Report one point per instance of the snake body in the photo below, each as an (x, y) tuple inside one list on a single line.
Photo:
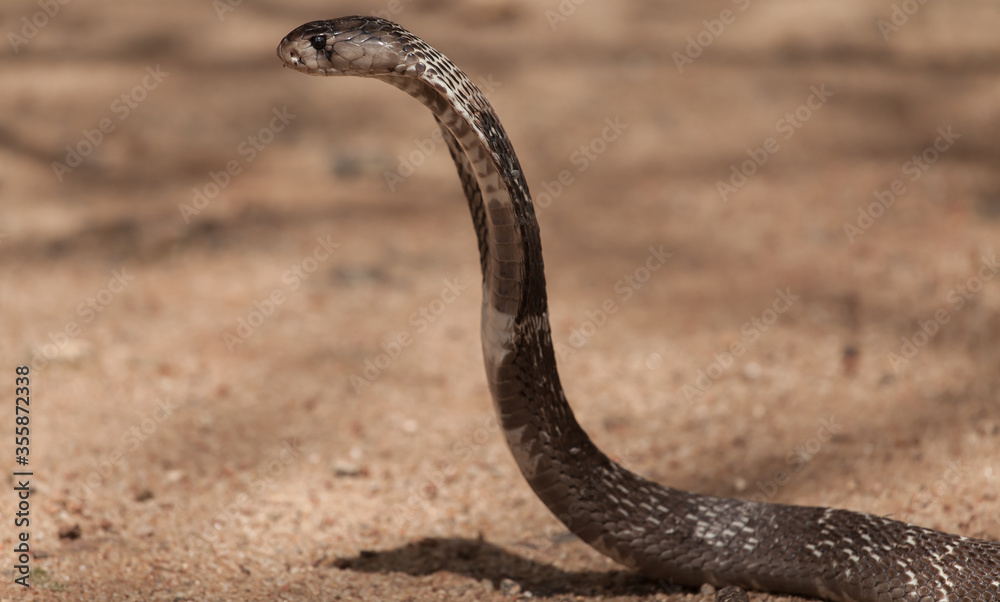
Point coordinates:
[(669, 534)]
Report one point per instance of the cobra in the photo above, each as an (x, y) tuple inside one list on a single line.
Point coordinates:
[(678, 536)]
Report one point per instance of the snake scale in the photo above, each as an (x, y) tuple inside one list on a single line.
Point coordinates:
[(677, 536)]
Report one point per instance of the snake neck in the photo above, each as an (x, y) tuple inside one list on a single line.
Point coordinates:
[(549, 445)]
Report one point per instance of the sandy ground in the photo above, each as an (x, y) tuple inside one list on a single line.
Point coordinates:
[(211, 294)]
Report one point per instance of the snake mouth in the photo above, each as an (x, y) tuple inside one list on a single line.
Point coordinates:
[(359, 46)]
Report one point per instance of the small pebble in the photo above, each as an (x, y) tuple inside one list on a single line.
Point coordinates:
[(346, 468), (509, 587)]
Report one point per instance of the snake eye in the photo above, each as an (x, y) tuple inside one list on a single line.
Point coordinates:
[(318, 41)]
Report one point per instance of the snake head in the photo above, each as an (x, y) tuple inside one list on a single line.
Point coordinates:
[(360, 46)]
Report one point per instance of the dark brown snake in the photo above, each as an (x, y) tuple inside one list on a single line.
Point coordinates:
[(669, 534)]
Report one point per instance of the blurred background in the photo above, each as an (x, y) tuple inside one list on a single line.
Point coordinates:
[(249, 299)]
